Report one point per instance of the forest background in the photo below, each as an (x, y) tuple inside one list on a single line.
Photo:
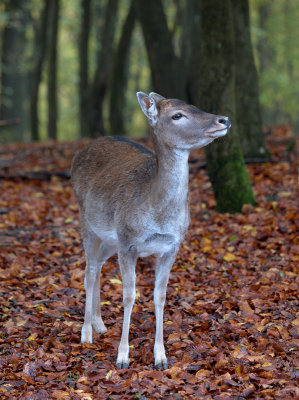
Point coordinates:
[(69, 71), (55, 53)]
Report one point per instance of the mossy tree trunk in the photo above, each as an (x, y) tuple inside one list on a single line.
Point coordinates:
[(249, 117), (165, 66), (213, 90), (119, 75)]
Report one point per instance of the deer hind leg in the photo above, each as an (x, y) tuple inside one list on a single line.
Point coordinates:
[(96, 252), (163, 267), (127, 262), (106, 250)]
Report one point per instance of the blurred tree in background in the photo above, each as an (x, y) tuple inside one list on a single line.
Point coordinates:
[(119, 76), (52, 68), (15, 67), (39, 46), (275, 35)]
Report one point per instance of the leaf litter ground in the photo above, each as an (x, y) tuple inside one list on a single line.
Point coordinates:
[(231, 328)]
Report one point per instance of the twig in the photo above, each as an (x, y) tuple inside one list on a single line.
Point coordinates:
[(12, 161), (9, 122), (199, 163), (38, 175)]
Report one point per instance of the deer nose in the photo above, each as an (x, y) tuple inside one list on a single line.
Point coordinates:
[(224, 121)]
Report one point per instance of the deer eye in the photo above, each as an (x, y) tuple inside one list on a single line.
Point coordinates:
[(177, 116)]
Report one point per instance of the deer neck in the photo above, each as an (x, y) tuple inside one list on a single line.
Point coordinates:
[(171, 181)]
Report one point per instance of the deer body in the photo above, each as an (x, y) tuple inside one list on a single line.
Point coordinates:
[(160, 218), (134, 202)]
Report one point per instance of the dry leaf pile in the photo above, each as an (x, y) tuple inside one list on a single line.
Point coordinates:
[(231, 328)]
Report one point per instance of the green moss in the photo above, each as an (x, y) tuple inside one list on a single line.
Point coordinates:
[(231, 184)]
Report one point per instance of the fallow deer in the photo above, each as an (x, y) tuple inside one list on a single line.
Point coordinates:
[(134, 202)]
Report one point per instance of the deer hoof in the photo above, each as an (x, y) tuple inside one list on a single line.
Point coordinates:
[(98, 325), (121, 365), (86, 334), (161, 365), (160, 357)]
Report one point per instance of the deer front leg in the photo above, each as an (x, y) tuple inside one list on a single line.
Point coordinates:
[(127, 262), (163, 267)]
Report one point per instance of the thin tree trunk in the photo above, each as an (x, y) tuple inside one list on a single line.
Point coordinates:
[(189, 44), (52, 69), (213, 90), (83, 66), (14, 74), (265, 50), (178, 17), (99, 86), (119, 75), (165, 66), (249, 117), (288, 42), (40, 52)]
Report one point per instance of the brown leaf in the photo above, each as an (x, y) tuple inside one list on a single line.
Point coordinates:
[(245, 307), (202, 374), (239, 352)]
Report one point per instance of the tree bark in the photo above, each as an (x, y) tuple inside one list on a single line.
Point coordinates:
[(289, 37), (99, 86), (249, 119), (52, 69), (14, 74), (83, 66), (40, 52), (165, 66), (119, 75), (213, 90), (265, 49), (190, 57)]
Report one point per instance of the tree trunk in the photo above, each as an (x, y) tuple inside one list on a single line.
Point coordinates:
[(265, 49), (213, 90), (165, 66), (40, 52), (119, 75), (14, 74), (99, 86), (289, 37), (52, 69), (83, 66), (249, 119), (189, 45), (177, 24)]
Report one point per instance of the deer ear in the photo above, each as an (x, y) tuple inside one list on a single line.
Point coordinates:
[(148, 106), (157, 97)]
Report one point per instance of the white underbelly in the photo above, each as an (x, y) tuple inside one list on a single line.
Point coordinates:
[(157, 245), (149, 241), (105, 233)]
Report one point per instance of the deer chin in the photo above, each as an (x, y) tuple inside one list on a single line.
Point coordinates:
[(219, 133)]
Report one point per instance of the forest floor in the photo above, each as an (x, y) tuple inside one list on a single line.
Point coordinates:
[(231, 329)]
